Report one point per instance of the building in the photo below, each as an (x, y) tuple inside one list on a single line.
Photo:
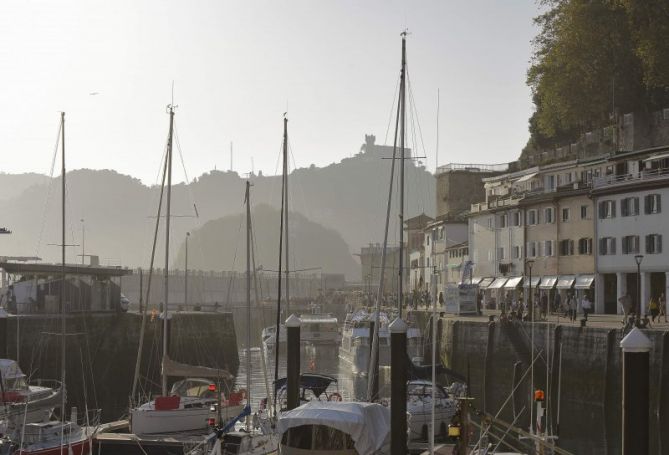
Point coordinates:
[(440, 235), (631, 220), (460, 185), (415, 229), (370, 262), (456, 257)]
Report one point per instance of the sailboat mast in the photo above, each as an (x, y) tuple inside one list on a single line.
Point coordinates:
[(167, 249), (285, 212), (402, 159), (63, 351), (248, 299), (278, 303)]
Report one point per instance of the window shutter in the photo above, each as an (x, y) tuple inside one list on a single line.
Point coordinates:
[(624, 207), (658, 243), (648, 245), (646, 201), (613, 209), (658, 209), (601, 210), (613, 245), (636, 205)]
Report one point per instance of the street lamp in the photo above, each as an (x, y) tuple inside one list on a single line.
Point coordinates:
[(530, 307), (638, 258)]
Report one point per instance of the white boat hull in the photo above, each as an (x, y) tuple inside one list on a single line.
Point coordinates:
[(151, 421)]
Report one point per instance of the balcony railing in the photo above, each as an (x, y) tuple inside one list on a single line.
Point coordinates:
[(628, 179), (502, 167)]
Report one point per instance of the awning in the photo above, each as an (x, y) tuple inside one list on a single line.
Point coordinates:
[(565, 281), (548, 282), (498, 283), (513, 282), (656, 157), (525, 178), (535, 281), (584, 281), (475, 280), (485, 282)]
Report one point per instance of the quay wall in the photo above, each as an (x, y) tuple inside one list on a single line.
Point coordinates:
[(496, 357), (102, 352)]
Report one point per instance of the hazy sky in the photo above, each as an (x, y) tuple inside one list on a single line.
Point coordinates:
[(237, 65)]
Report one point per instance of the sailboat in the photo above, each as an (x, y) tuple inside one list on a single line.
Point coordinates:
[(187, 405), (52, 437)]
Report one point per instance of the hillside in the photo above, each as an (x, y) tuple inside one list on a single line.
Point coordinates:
[(347, 197), (219, 242)]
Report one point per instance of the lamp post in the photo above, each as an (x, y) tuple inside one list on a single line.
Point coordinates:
[(83, 241), (186, 274), (530, 307), (638, 258)]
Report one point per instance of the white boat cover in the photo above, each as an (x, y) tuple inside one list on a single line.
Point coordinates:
[(10, 369), (368, 424), (183, 370)]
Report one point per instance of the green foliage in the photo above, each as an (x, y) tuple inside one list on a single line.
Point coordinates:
[(593, 58)]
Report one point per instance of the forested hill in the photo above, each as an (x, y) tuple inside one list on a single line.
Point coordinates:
[(118, 211), (593, 61)]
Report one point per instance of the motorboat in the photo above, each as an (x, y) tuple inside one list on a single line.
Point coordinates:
[(419, 408), (54, 437), (356, 342), (317, 329), (335, 428)]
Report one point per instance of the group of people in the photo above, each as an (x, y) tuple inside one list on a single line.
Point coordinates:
[(657, 308), (570, 307)]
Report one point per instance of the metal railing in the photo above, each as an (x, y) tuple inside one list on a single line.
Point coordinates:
[(501, 167), (626, 179)]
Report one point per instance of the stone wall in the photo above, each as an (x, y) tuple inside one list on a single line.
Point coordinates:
[(102, 351), (496, 356)]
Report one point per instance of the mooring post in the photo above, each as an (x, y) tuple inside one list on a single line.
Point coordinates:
[(636, 353), (293, 324), (398, 387)]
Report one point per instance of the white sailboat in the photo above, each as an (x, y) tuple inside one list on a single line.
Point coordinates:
[(187, 405)]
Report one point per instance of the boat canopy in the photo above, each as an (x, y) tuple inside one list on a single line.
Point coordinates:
[(316, 383), (10, 369), (183, 370), (584, 281), (368, 424)]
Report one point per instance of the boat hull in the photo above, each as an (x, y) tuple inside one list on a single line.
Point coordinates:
[(81, 447), (151, 421)]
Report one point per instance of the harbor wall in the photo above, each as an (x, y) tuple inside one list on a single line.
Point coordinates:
[(102, 352), (579, 368)]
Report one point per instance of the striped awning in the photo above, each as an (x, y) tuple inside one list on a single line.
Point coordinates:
[(498, 283), (485, 282), (513, 282), (584, 281), (548, 282), (566, 281)]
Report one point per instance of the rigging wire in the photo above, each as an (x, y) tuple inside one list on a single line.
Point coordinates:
[(392, 109), (49, 189)]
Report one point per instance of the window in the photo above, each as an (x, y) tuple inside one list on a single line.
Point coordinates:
[(653, 203), (607, 209), (517, 252), (631, 244), (500, 254), (531, 217), (491, 223), (517, 218), (565, 215), (629, 206), (427, 239), (610, 170), (550, 182), (503, 221), (653, 243), (531, 249), (585, 246), (548, 215), (566, 247), (607, 246), (548, 248), (584, 212)]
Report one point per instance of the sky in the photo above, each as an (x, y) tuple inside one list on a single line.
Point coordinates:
[(237, 66)]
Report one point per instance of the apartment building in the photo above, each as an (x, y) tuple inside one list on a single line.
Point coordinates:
[(440, 235)]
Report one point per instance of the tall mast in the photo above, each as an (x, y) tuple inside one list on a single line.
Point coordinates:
[(248, 300), (167, 248), (281, 232), (402, 159), (63, 351), (285, 212)]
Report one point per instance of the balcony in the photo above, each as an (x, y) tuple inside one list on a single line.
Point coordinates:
[(609, 181)]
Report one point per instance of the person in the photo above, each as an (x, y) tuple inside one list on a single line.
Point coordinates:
[(626, 306), (653, 307), (571, 304), (557, 302), (586, 304), (544, 306), (663, 307)]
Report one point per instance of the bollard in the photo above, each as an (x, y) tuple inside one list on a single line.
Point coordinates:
[(636, 348), (398, 387), (292, 361)]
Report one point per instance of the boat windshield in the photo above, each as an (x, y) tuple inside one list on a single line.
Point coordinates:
[(17, 383), (198, 388)]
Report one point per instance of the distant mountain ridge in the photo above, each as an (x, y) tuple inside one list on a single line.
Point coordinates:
[(348, 197)]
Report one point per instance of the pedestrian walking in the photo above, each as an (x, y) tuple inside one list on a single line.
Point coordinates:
[(626, 305), (586, 305), (571, 305), (663, 307), (544, 306), (653, 307)]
